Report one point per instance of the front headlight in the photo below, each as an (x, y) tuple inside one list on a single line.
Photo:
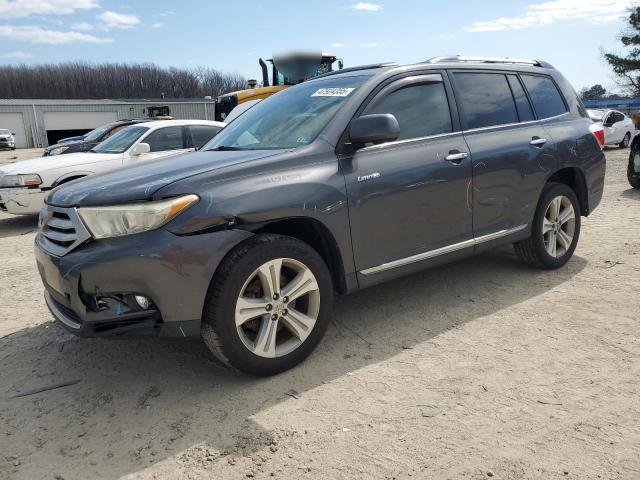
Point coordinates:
[(119, 220), (30, 180), (58, 151)]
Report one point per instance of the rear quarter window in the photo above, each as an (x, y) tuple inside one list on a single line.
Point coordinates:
[(545, 96)]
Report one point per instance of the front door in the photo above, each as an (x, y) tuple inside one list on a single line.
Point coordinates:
[(410, 196)]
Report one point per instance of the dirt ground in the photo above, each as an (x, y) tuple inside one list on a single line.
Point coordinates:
[(483, 368)]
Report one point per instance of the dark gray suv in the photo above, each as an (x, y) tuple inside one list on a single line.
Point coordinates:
[(336, 184)]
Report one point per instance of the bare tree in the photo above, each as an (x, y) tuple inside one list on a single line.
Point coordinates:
[(81, 80)]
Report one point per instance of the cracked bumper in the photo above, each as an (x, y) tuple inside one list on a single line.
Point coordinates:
[(21, 201)]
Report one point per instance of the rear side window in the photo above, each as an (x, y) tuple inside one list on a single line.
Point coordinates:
[(201, 134), (421, 110), (545, 96), (486, 99), (522, 102), (163, 139)]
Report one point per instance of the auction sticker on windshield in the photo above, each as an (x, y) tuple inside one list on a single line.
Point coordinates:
[(333, 92)]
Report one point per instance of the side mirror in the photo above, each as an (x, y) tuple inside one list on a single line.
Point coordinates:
[(140, 149), (375, 128), (13, 133)]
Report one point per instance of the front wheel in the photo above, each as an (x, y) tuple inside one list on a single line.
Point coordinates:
[(633, 169), (555, 229), (268, 305), (625, 141)]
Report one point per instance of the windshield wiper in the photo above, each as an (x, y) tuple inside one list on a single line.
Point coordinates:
[(224, 148)]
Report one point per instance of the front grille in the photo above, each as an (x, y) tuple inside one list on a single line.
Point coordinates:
[(61, 230)]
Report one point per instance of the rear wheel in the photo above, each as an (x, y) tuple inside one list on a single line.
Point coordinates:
[(268, 305), (625, 141), (555, 229), (633, 169)]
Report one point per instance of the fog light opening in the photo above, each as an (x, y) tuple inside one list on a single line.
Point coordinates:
[(143, 302)]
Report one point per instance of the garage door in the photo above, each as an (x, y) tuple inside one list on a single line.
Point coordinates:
[(59, 125), (13, 122)]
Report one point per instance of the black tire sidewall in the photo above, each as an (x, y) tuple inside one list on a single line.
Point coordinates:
[(632, 176), (549, 193), (222, 314)]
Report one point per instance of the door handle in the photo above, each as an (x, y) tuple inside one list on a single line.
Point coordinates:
[(537, 141), (456, 157)]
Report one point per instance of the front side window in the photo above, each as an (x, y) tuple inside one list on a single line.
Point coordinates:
[(121, 141), (545, 96), (421, 110), (201, 134), (291, 118), (163, 139), (486, 99)]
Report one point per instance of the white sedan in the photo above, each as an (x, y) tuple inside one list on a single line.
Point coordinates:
[(618, 128), (24, 185)]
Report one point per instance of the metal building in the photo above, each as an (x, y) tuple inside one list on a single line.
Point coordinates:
[(40, 123)]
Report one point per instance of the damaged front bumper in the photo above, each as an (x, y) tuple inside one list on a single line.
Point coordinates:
[(21, 201), (91, 290)]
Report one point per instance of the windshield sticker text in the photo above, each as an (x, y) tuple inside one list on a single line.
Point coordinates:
[(333, 92)]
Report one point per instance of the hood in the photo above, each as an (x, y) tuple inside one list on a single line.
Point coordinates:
[(5, 135), (140, 182), (64, 144), (42, 164)]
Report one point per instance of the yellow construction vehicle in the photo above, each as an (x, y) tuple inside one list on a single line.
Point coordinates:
[(286, 70)]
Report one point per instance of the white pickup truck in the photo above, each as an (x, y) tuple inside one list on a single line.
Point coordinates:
[(24, 185)]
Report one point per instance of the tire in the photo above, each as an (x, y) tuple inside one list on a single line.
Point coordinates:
[(625, 141), (245, 273), (632, 175), (535, 250)]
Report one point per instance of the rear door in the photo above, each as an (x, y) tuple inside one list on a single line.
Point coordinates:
[(410, 196), (164, 142), (509, 150)]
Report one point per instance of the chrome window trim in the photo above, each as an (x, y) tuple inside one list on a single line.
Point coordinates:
[(409, 140), (529, 122), (443, 251)]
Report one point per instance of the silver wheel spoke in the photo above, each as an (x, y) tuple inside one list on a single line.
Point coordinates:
[(564, 239), (298, 323), (269, 274), (551, 244), (566, 215), (547, 225), (303, 283), (265, 344), (249, 308), (554, 208)]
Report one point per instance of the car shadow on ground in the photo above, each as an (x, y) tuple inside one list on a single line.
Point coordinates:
[(12, 226), (631, 193), (139, 402)]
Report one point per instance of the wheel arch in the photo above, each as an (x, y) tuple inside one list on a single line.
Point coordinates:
[(67, 177), (574, 178), (317, 236)]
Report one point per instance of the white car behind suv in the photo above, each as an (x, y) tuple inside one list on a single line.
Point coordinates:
[(618, 128), (6, 139), (23, 185)]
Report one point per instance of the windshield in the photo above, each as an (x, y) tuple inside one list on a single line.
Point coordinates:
[(4, 132), (291, 118), (121, 141), (96, 134)]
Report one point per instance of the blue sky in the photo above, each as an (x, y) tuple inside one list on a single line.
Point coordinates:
[(231, 36)]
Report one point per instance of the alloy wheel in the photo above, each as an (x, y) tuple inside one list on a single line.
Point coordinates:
[(277, 307), (558, 227)]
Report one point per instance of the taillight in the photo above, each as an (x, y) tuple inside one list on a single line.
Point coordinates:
[(598, 132)]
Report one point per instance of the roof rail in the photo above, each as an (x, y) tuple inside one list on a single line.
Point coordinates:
[(466, 59), (355, 69)]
